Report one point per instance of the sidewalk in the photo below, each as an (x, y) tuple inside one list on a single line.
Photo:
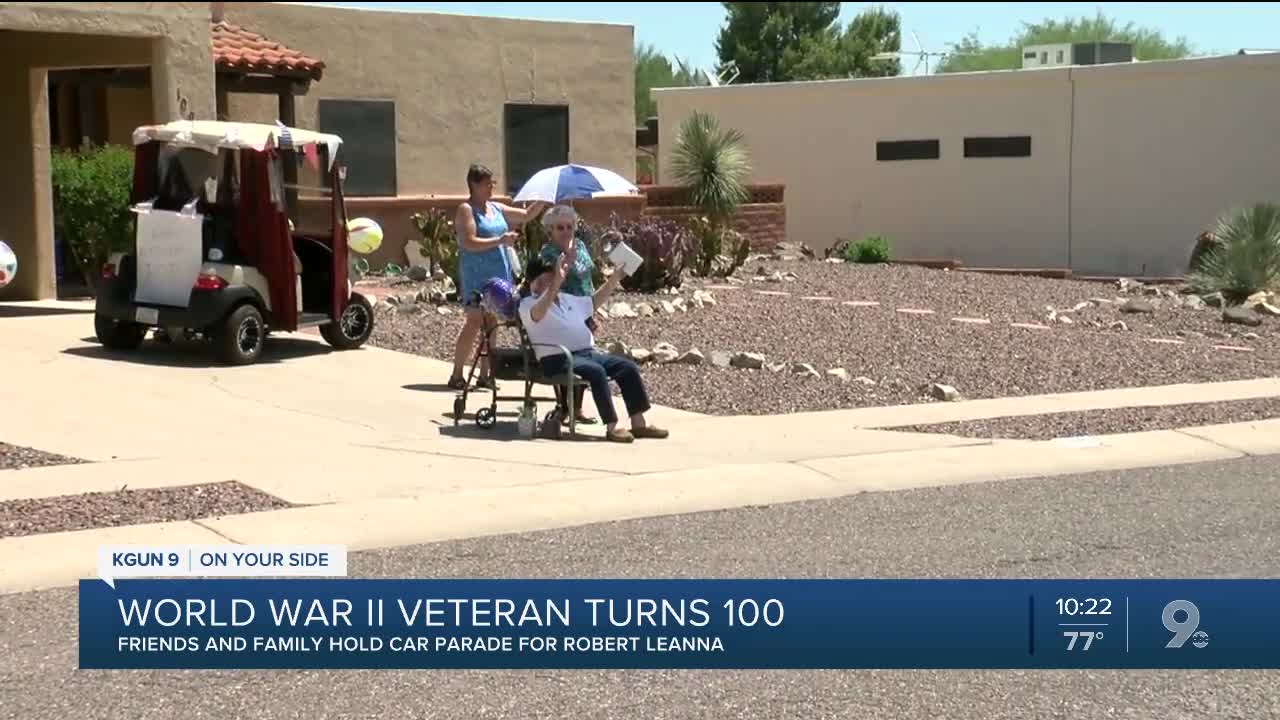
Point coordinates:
[(362, 443)]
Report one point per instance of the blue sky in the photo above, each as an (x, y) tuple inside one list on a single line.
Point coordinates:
[(690, 30)]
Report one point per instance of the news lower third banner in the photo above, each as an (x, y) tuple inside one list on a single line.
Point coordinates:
[(347, 623)]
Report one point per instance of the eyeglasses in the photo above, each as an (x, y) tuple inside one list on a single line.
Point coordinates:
[(561, 226)]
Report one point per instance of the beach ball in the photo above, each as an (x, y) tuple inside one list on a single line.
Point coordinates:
[(364, 235), (8, 264), (500, 298)]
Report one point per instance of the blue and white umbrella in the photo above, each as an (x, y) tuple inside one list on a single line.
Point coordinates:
[(573, 182)]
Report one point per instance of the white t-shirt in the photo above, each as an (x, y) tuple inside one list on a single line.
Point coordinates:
[(564, 324)]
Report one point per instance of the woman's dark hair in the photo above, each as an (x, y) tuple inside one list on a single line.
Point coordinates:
[(478, 173)]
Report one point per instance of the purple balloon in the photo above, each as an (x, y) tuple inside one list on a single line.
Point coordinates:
[(500, 298)]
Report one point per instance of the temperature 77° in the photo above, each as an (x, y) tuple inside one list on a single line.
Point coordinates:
[(1087, 637)]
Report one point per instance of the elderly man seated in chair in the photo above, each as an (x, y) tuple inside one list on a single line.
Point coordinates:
[(552, 318)]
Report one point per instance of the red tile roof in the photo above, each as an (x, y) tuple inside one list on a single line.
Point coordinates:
[(235, 48)]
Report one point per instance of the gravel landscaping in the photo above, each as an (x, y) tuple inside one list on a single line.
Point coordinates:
[(1103, 422), (16, 457), (131, 507), (891, 357)]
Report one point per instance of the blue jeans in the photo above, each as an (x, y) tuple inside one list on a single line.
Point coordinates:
[(597, 369)]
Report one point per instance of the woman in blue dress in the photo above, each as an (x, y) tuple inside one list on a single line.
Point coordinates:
[(484, 236)]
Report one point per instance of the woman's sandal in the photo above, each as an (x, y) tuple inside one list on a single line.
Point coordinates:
[(457, 383), (649, 432)]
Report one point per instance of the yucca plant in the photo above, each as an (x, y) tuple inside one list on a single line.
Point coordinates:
[(1247, 256), (712, 163)]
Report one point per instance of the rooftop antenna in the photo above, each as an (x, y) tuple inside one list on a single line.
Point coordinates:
[(922, 56), (726, 76)]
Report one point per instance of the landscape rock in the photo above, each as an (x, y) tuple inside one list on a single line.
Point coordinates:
[(1065, 320), (791, 277), (775, 277), (622, 310), (1267, 309), (793, 251), (1053, 315), (945, 393), (443, 310), (804, 369), (1152, 290), (665, 355), (865, 381), (644, 310), (776, 367), (668, 307), (1193, 302), (408, 308), (1241, 316), (418, 273), (1135, 305), (721, 359), (835, 260), (839, 374), (1213, 300), (701, 297), (1082, 305), (392, 300), (1101, 301), (617, 347), (1125, 285), (1119, 325), (1257, 298), (735, 280), (680, 304), (747, 361), (1250, 336), (641, 356), (692, 357)]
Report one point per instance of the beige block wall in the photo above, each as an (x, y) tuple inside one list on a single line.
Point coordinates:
[(1161, 149), (37, 36), (450, 76), (1156, 151), (819, 139)]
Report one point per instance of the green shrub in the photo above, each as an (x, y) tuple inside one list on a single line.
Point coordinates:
[(870, 249), (717, 250), (1246, 257), (91, 204), (437, 240)]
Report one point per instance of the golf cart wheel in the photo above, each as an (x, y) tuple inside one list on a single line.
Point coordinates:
[(118, 335), (459, 407), (240, 339), (486, 418), (353, 328)]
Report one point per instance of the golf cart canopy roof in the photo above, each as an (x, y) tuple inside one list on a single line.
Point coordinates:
[(211, 135)]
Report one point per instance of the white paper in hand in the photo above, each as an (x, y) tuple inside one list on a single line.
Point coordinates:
[(625, 258)]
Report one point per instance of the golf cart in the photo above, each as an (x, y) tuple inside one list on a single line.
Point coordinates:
[(217, 255)]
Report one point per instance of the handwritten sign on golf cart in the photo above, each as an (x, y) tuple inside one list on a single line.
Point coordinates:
[(169, 255)]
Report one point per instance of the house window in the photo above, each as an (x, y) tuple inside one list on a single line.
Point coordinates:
[(1044, 57), (991, 147), (1060, 57), (1029, 55), (889, 150), (368, 132), (534, 137)]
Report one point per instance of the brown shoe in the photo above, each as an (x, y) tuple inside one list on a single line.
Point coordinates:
[(650, 431), (619, 436)]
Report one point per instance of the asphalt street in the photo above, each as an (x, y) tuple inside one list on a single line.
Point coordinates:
[(1204, 520)]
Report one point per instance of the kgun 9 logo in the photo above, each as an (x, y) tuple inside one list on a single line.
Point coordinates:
[(1186, 628)]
